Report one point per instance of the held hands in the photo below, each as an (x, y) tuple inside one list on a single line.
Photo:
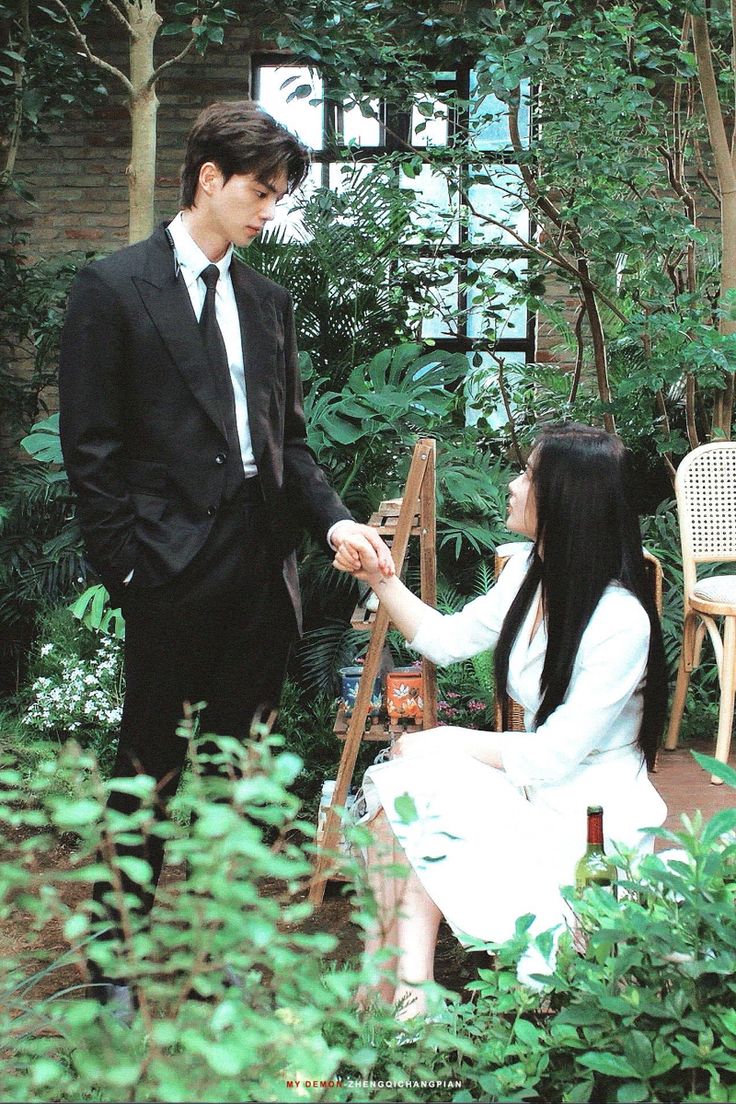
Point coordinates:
[(361, 552)]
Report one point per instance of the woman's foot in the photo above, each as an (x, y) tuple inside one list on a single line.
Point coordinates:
[(409, 1001)]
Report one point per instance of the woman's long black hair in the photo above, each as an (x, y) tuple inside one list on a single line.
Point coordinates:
[(587, 537)]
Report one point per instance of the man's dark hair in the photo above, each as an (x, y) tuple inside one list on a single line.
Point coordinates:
[(239, 137), (588, 536)]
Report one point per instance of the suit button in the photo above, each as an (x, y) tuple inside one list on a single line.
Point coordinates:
[(221, 458), (211, 511)]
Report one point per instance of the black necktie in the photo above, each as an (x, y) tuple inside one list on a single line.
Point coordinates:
[(220, 366)]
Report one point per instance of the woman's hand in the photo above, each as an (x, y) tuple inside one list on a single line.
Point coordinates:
[(360, 551), (444, 740), (349, 559), (450, 740)]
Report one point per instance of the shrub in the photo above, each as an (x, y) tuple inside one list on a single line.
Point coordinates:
[(645, 1015)]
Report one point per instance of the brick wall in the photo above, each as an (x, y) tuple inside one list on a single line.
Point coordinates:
[(78, 179)]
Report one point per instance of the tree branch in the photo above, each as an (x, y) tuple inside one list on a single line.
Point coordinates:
[(507, 406), (557, 260), (579, 355), (16, 122), (171, 61), (82, 39), (599, 344), (120, 17)]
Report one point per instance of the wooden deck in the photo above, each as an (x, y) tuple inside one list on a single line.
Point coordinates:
[(685, 787)]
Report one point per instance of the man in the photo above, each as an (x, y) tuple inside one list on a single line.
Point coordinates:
[(184, 438)]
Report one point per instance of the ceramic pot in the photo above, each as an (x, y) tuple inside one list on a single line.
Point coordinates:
[(349, 681), (405, 695)]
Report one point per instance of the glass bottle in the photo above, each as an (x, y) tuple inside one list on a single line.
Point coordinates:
[(594, 868)]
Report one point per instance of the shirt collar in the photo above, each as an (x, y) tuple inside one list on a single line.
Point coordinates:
[(192, 260)]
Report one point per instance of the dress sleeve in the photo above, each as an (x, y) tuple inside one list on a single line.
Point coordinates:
[(610, 665), (449, 638)]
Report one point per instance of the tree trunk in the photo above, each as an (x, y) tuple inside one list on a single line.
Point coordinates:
[(143, 107), (726, 173), (728, 289)]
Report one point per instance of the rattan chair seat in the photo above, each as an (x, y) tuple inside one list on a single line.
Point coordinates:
[(721, 590)]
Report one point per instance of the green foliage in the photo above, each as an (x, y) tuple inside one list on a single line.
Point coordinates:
[(635, 232), (644, 1014), (93, 610), (41, 80), (647, 1013), (41, 559), (348, 303), (239, 915)]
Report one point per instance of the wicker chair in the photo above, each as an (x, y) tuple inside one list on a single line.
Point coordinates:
[(508, 714), (706, 504)]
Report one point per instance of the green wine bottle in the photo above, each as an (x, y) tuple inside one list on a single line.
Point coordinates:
[(593, 867)]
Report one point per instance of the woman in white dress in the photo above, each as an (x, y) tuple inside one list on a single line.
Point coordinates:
[(495, 822)]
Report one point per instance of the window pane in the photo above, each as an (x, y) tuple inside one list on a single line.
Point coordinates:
[(346, 175), (430, 129), (357, 128), (495, 196), (492, 314), (302, 118), (436, 212), (482, 392), (431, 287), (442, 321), (288, 225), (489, 124)]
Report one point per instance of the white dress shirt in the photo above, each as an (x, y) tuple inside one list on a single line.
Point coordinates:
[(192, 261)]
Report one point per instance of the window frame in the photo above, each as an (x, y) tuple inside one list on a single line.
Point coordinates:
[(395, 129)]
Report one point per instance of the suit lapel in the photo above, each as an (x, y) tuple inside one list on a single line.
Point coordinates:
[(258, 326), (166, 299)]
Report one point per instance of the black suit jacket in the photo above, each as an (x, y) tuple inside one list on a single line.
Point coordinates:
[(141, 423)]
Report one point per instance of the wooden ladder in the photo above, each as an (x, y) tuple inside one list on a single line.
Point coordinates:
[(396, 521)]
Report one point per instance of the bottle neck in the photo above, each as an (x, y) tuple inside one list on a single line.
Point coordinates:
[(595, 831)]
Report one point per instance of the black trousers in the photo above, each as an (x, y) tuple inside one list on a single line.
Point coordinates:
[(220, 633)]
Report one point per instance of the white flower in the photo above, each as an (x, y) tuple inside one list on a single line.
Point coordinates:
[(46, 648)]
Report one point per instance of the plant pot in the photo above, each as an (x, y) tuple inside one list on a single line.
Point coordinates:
[(349, 682), (405, 695)]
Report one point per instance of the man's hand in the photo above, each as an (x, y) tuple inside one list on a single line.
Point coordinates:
[(360, 551)]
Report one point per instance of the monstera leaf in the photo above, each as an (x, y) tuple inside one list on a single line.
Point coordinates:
[(402, 386), (43, 442)]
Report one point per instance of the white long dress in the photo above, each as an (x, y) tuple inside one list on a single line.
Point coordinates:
[(491, 845)]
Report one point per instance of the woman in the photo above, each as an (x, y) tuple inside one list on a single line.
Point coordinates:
[(497, 820)]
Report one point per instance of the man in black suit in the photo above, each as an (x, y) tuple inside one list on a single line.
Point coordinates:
[(184, 439)]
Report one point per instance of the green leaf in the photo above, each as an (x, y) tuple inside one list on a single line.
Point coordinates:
[(44, 1071), (138, 870), (175, 29), (406, 809), (74, 814), (714, 766), (612, 1065), (76, 926), (43, 442), (527, 1033), (638, 1051), (632, 1092)]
